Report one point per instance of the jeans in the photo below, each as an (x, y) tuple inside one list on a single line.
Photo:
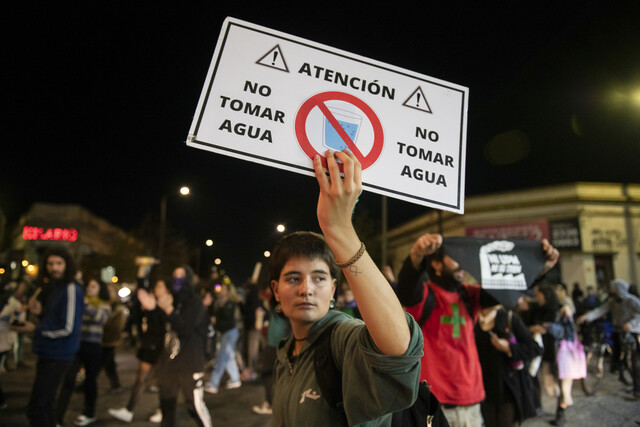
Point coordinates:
[(226, 359)]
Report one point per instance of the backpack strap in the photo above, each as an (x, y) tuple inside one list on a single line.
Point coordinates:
[(428, 306), (328, 375)]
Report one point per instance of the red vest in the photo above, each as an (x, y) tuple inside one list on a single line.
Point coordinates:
[(450, 363)]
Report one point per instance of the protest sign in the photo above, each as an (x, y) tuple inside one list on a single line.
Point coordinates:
[(277, 99)]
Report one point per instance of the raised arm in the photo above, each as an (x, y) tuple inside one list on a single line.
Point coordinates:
[(377, 302), (413, 273)]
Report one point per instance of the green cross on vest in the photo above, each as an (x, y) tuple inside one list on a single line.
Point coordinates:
[(456, 320)]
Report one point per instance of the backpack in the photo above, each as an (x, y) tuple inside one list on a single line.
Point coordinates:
[(428, 307), (425, 411)]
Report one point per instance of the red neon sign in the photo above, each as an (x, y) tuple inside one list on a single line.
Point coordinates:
[(39, 233)]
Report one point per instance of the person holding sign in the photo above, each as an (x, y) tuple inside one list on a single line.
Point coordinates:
[(379, 359), (431, 289)]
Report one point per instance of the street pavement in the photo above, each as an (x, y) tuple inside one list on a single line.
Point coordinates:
[(611, 406), (228, 407)]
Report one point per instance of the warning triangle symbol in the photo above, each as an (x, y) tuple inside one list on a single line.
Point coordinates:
[(274, 59), (418, 101)]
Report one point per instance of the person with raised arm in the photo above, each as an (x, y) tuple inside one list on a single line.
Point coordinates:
[(379, 357)]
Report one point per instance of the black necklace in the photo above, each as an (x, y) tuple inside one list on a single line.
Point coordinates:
[(300, 339)]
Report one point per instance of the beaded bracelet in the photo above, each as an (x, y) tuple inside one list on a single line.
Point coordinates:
[(355, 258)]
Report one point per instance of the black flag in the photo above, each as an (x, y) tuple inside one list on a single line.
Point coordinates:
[(504, 268)]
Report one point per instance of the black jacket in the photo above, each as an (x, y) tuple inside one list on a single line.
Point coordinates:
[(497, 372), (189, 320)]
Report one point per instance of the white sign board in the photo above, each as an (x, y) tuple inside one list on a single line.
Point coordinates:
[(277, 99)]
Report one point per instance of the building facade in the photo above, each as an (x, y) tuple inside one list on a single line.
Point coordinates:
[(94, 243), (595, 226)]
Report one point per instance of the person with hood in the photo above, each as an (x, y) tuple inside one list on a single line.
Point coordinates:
[(181, 363), (59, 303), (625, 308)]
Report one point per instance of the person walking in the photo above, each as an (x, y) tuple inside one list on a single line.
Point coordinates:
[(150, 323), (112, 338), (553, 321), (7, 337), (89, 355), (224, 320), (277, 328), (59, 303), (252, 335), (181, 362), (19, 298)]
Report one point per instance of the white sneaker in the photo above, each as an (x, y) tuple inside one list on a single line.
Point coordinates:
[(264, 409), (233, 384), (122, 414), (83, 420), (211, 389), (156, 417)]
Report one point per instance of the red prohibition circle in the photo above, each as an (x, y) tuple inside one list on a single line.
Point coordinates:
[(319, 101)]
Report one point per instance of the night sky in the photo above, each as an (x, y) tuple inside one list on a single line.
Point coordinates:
[(99, 97)]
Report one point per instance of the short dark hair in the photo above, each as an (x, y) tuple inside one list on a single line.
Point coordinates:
[(306, 244), (70, 264)]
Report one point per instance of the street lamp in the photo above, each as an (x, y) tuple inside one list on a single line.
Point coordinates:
[(280, 228), (209, 242), (184, 191)]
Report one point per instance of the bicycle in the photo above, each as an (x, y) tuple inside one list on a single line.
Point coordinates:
[(596, 352), (628, 343)]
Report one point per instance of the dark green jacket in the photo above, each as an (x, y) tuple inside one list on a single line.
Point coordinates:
[(373, 385)]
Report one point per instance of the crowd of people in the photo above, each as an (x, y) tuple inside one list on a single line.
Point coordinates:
[(487, 363)]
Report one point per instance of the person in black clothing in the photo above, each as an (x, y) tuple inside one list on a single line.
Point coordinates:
[(181, 363), (251, 335), (150, 324), (577, 294), (505, 348)]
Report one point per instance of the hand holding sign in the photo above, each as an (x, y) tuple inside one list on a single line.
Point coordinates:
[(338, 195), (410, 148), (504, 268), (380, 309)]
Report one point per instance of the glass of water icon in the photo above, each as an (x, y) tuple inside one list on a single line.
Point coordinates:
[(350, 123)]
